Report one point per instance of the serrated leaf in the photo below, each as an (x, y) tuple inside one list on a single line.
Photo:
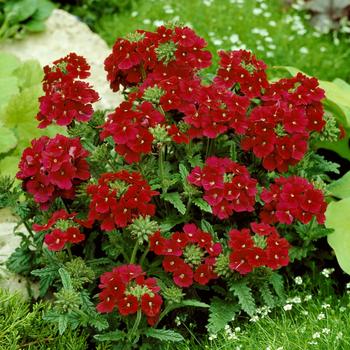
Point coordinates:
[(244, 295), (194, 303), (8, 88), (267, 295), (166, 335), (29, 74), (202, 204), (207, 227), (184, 173), (175, 199), (111, 336), (47, 276), (196, 161), (62, 323), (65, 278), (221, 312), (276, 281)]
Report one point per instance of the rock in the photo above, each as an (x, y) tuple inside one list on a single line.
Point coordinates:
[(65, 34)]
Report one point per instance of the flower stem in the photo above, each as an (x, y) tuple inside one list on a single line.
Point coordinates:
[(161, 167), (31, 234), (136, 324), (133, 255), (69, 253), (144, 256)]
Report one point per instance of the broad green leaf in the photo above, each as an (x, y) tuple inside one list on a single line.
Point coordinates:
[(340, 188), (9, 165), (35, 26), (8, 88), (8, 140), (341, 147), (43, 11), (29, 73), (164, 335), (18, 11), (8, 63), (337, 218)]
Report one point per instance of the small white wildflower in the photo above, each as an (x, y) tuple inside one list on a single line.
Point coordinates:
[(327, 272), (296, 300), (234, 38), (260, 48), (237, 329), (316, 335), (280, 348), (134, 13), (168, 9), (176, 19), (272, 23), (270, 54), (305, 313), (339, 335), (257, 11), (288, 307), (217, 42), (321, 316), (177, 321), (308, 297), (326, 330), (211, 33), (348, 285), (227, 327), (232, 336), (267, 14), (298, 280), (263, 5), (323, 49), (268, 39), (146, 21), (207, 2), (212, 336), (312, 342), (325, 306), (268, 348), (254, 318), (304, 50), (158, 22), (342, 309)]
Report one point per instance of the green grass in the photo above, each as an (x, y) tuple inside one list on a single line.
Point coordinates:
[(222, 19)]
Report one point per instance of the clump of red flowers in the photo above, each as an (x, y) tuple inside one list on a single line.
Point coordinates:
[(66, 99), (189, 255), (127, 289), (118, 198), (63, 228), (271, 251), (52, 167), (292, 198), (227, 185)]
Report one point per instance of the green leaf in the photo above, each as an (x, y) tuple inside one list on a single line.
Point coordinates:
[(341, 187), (8, 63), (110, 336), (244, 295), (266, 295), (9, 165), (221, 312), (29, 73), (175, 199), (276, 281), (8, 140), (66, 280), (202, 204), (207, 227), (184, 173), (166, 335), (337, 218), (170, 221), (18, 11), (8, 88), (47, 276), (194, 303), (35, 26), (62, 323)]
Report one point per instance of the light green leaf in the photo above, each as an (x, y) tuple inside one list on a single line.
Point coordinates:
[(175, 199), (110, 336), (341, 147), (244, 294), (18, 11), (340, 188), (164, 335), (194, 303), (29, 73), (8, 63), (9, 166), (65, 278), (337, 218), (8, 140), (202, 204), (8, 88)]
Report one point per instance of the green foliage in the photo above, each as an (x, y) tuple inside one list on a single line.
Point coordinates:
[(245, 298), (221, 312), (340, 188), (18, 17), (20, 88), (165, 335), (175, 199)]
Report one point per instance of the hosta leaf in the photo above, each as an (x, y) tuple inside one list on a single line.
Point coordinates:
[(8, 63), (164, 335), (340, 188), (337, 218)]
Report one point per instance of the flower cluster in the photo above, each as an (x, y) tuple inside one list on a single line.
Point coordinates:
[(66, 99), (126, 288), (228, 187), (167, 52), (292, 198), (189, 255), (279, 129), (129, 127), (118, 198), (52, 167), (63, 227), (268, 249)]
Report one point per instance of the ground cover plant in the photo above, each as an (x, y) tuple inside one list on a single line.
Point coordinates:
[(277, 33), (184, 201)]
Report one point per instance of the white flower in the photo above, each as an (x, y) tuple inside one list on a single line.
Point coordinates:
[(298, 280), (134, 13), (339, 335), (212, 336), (323, 49), (327, 272), (304, 50), (146, 21), (158, 22), (267, 14), (168, 9), (326, 330), (342, 309), (325, 306), (260, 48), (348, 285), (237, 329), (257, 11), (312, 342), (234, 38), (217, 42), (308, 297), (254, 318), (280, 348), (305, 313), (270, 54), (207, 2), (288, 307), (316, 335), (272, 23), (296, 300), (321, 316)]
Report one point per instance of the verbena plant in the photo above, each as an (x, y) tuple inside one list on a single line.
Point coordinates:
[(185, 200)]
